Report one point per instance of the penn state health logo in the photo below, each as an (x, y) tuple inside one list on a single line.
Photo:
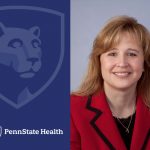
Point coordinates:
[(31, 52)]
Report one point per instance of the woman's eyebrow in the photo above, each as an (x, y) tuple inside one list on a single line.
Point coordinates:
[(132, 49), (113, 49), (128, 49)]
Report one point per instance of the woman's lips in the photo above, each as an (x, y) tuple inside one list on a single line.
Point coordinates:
[(122, 74)]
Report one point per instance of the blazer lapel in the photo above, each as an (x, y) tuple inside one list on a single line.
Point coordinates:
[(141, 132), (103, 122)]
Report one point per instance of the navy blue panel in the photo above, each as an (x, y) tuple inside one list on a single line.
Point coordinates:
[(34, 74)]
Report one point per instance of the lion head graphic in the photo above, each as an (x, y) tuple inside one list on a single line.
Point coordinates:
[(20, 52)]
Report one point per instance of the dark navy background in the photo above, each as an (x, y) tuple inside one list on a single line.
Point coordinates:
[(51, 108)]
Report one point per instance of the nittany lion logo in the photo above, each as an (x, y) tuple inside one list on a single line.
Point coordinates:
[(20, 60), (20, 49)]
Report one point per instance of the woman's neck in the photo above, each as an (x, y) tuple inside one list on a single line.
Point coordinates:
[(121, 102)]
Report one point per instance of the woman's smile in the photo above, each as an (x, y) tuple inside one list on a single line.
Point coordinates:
[(122, 74)]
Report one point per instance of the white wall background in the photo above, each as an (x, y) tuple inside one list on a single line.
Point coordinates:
[(87, 19)]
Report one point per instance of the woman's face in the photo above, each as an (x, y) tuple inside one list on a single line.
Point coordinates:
[(122, 66)]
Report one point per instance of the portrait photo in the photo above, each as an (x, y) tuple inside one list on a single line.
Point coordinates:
[(110, 75)]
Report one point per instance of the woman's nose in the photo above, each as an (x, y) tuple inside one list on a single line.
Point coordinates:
[(122, 61)]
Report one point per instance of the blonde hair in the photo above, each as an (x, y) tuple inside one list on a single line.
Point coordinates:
[(108, 37)]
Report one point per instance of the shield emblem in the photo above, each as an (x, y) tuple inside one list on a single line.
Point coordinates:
[(31, 52)]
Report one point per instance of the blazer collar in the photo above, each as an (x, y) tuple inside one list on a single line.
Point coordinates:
[(141, 131), (106, 128)]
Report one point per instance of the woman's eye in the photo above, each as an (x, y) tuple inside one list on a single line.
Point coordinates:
[(112, 54), (132, 54)]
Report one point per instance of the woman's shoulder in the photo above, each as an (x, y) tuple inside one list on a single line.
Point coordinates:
[(75, 99), (78, 97), (78, 102)]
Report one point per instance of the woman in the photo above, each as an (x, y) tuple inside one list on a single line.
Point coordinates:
[(110, 111)]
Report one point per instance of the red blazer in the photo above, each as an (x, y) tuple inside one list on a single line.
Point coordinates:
[(93, 127)]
